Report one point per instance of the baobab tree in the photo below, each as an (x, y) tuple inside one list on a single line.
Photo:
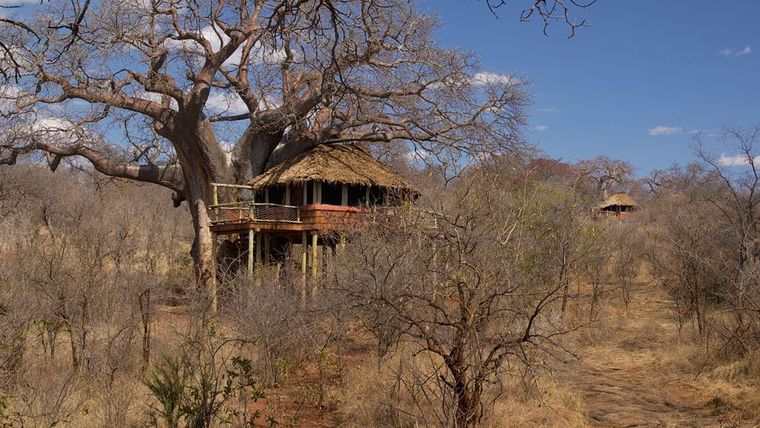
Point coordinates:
[(183, 93)]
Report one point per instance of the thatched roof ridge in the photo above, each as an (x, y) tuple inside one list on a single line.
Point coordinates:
[(621, 199), (346, 163)]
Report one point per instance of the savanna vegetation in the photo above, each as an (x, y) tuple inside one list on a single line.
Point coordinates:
[(500, 297), (488, 303)]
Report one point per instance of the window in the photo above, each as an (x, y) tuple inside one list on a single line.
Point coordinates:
[(332, 193), (309, 189), (357, 195), (277, 194), (376, 196)]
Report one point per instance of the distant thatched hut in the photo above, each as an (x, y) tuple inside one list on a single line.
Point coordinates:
[(618, 204), (331, 175)]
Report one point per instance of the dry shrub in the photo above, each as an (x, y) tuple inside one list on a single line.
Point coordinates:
[(394, 392), (286, 329), (547, 404), (49, 395), (390, 392), (121, 402)]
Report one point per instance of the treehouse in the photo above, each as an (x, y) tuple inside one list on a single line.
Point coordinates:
[(618, 205), (305, 204)]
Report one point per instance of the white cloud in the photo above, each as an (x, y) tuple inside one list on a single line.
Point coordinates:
[(746, 51), (735, 160), (540, 128), (217, 39), (57, 129), (548, 110), (735, 52), (705, 132), (220, 102), (230, 103), (9, 96), (664, 130), (156, 97), (488, 78)]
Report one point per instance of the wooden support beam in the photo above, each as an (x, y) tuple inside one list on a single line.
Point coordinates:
[(314, 254), (287, 195), (259, 247), (212, 292), (342, 243), (251, 237), (267, 249), (304, 244), (344, 194)]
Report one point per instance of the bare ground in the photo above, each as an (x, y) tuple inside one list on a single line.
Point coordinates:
[(639, 372)]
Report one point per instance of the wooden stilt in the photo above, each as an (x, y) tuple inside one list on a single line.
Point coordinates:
[(212, 297), (251, 237), (314, 258), (267, 249), (304, 246), (259, 247)]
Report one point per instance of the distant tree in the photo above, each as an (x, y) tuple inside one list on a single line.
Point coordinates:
[(607, 175)]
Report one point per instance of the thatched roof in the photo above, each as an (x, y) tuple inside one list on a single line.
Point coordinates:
[(345, 163), (618, 199)]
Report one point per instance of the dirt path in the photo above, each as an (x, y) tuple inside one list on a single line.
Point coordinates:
[(629, 375)]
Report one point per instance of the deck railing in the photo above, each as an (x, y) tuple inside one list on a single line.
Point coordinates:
[(249, 210), (254, 211)]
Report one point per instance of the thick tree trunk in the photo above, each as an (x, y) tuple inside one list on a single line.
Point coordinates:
[(253, 152), (203, 252), (203, 162)]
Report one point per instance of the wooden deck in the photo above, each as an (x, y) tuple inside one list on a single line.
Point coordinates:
[(242, 216)]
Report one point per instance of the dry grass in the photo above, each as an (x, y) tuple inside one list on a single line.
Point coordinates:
[(394, 392), (635, 367), (552, 404)]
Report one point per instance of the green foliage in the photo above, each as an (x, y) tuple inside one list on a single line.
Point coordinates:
[(167, 384), (195, 392)]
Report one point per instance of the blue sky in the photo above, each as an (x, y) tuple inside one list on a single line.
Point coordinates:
[(640, 68)]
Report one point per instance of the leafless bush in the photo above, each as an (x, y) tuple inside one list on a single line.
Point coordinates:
[(76, 270), (475, 286), (708, 250)]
